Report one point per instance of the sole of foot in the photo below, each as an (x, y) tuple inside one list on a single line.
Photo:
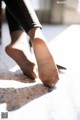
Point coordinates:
[(47, 69), (21, 59)]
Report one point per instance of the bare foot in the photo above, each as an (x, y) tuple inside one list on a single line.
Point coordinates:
[(47, 69), (20, 52)]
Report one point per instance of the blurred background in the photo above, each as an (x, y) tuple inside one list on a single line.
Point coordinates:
[(56, 11), (56, 14)]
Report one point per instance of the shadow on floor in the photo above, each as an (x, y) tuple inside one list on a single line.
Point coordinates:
[(16, 98), (17, 76)]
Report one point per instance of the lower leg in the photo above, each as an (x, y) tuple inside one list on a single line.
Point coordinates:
[(18, 50), (47, 69), (26, 16)]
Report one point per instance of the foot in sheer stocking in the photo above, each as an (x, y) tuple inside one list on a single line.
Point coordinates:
[(19, 51), (47, 69)]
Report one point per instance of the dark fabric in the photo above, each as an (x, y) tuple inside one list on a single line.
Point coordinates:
[(12, 22), (22, 13)]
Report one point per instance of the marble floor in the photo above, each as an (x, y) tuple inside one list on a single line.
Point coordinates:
[(22, 99)]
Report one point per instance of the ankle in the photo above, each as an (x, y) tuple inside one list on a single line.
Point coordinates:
[(17, 35), (36, 33)]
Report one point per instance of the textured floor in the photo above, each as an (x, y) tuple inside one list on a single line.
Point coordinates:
[(30, 100)]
